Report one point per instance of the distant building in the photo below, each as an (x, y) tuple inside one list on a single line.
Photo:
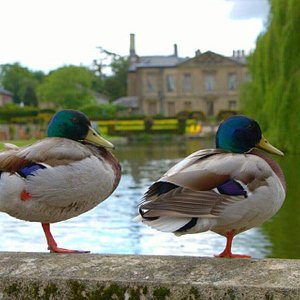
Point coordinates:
[(130, 104), (208, 82), (101, 99), (5, 97)]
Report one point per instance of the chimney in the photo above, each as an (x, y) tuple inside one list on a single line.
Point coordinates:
[(243, 53), (197, 53), (132, 45), (175, 50), (233, 53)]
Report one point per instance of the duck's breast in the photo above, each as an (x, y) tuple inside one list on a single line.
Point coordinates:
[(65, 191), (265, 196)]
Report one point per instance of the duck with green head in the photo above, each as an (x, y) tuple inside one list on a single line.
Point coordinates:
[(228, 189), (60, 177)]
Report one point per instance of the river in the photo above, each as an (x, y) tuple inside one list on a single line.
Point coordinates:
[(110, 228)]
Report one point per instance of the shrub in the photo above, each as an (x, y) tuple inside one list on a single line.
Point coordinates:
[(11, 111), (224, 114), (102, 111)]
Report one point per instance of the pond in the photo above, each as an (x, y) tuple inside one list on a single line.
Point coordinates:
[(110, 228)]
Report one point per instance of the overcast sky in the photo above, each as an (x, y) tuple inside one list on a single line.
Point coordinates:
[(46, 34)]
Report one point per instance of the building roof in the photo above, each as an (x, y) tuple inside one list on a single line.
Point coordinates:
[(210, 57), (130, 101), (239, 59), (5, 92), (155, 61)]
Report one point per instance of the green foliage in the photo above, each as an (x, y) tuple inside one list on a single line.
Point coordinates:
[(99, 112), (224, 114), (11, 111), (115, 86), (68, 87), (185, 114), (21, 82), (197, 114), (283, 229), (272, 97)]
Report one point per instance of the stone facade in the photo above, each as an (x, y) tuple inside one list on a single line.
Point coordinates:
[(167, 85)]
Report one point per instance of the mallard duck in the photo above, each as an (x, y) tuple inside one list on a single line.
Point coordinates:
[(59, 177), (227, 190)]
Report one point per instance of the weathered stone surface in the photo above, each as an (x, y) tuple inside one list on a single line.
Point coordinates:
[(94, 276)]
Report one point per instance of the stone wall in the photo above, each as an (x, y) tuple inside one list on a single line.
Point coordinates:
[(95, 276)]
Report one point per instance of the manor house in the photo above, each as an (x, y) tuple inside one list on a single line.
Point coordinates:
[(208, 82)]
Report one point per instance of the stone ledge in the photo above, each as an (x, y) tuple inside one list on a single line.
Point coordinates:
[(95, 276)]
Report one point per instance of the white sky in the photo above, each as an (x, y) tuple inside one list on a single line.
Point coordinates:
[(46, 34)]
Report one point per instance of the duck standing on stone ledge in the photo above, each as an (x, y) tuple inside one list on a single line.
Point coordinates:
[(227, 190), (60, 177)]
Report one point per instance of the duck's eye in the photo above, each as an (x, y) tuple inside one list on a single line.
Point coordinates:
[(75, 120)]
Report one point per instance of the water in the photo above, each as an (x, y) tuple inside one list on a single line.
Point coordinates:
[(109, 228)]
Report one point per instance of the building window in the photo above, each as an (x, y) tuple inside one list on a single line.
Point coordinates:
[(152, 108), (187, 82), (171, 109), (151, 83), (232, 81), (232, 104), (209, 79), (171, 83), (188, 105), (210, 108)]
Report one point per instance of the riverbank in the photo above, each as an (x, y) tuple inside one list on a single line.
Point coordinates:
[(95, 276)]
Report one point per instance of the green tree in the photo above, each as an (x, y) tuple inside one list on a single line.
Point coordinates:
[(114, 85), (101, 111), (68, 87), (272, 96), (21, 82)]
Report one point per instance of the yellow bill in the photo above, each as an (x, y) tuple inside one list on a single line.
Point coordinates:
[(265, 145), (94, 137)]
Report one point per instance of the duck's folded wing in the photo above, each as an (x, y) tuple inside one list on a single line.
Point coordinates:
[(51, 151), (206, 170), (203, 184), (183, 202)]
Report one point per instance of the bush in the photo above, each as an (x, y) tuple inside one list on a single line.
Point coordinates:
[(11, 111), (184, 114), (100, 112), (197, 114), (224, 114)]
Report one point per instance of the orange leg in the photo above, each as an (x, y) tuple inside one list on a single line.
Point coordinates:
[(227, 251), (52, 245)]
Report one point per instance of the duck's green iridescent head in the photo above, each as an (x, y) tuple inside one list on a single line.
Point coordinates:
[(74, 125), (240, 134)]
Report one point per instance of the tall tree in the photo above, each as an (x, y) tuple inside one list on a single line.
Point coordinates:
[(116, 85), (21, 82), (68, 87), (272, 96), (112, 70)]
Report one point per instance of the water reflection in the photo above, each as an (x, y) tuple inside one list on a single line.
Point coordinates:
[(283, 229), (109, 228)]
